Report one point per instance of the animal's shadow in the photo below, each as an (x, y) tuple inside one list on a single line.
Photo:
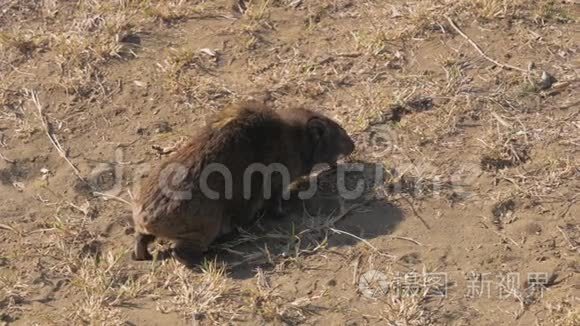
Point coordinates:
[(332, 216)]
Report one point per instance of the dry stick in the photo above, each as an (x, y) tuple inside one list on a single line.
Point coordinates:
[(505, 237), (499, 64), (408, 239), (51, 137), (501, 120), (7, 227), (416, 213), (355, 271), (573, 247), (5, 158), (107, 196), (499, 234), (567, 209), (363, 241), (347, 211)]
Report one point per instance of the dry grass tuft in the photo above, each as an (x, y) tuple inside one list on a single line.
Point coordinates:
[(200, 296), (100, 34), (172, 12), (13, 292), (406, 298), (26, 43), (550, 11), (406, 311), (505, 154), (104, 285), (268, 305), (565, 313)]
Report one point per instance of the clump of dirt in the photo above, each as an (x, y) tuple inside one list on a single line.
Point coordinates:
[(572, 235), (92, 249), (503, 212), (103, 178), (414, 105), (510, 154), (21, 170), (12, 174)]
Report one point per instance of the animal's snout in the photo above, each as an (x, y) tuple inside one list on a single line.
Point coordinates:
[(348, 147)]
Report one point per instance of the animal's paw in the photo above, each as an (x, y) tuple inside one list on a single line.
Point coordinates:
[(187, 257), (141, 256)]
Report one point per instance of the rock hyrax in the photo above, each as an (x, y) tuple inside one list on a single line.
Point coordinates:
[(217, 180)]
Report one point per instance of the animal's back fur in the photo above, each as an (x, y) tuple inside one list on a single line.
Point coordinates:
[(237, 137)]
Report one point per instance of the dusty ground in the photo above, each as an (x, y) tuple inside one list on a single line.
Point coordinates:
[(474, 222)]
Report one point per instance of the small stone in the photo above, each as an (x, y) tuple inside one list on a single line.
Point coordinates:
[(19, 186), (208, 52), (395, 13), (162, 127), (547, 81), (331, 282)]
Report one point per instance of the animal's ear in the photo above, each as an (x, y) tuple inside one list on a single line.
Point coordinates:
[(316, 128)]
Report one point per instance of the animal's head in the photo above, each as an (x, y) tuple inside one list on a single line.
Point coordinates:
[(330, 141)]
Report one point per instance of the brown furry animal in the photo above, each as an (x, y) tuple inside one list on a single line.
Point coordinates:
[(177, 201)]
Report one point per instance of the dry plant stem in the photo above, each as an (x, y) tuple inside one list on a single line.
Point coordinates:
[(416, 213), (107, 196), (363, 241), (332, 222), (567, 209), (355, 271), (408, 239), (51, 137), (347, 211), (573, 247), (501, 235), (7, 227), (6, 159), (485, 56)]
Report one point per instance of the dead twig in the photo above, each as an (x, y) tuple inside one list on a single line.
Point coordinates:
[(501, 235), (363, 241), (107, 196), (7, 227), (501, 120), (485, 56), (572, 246), (51, 137), (416, 213), (408, 239), (5, 158), (355, 271), (567, 208), (347, 211)]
